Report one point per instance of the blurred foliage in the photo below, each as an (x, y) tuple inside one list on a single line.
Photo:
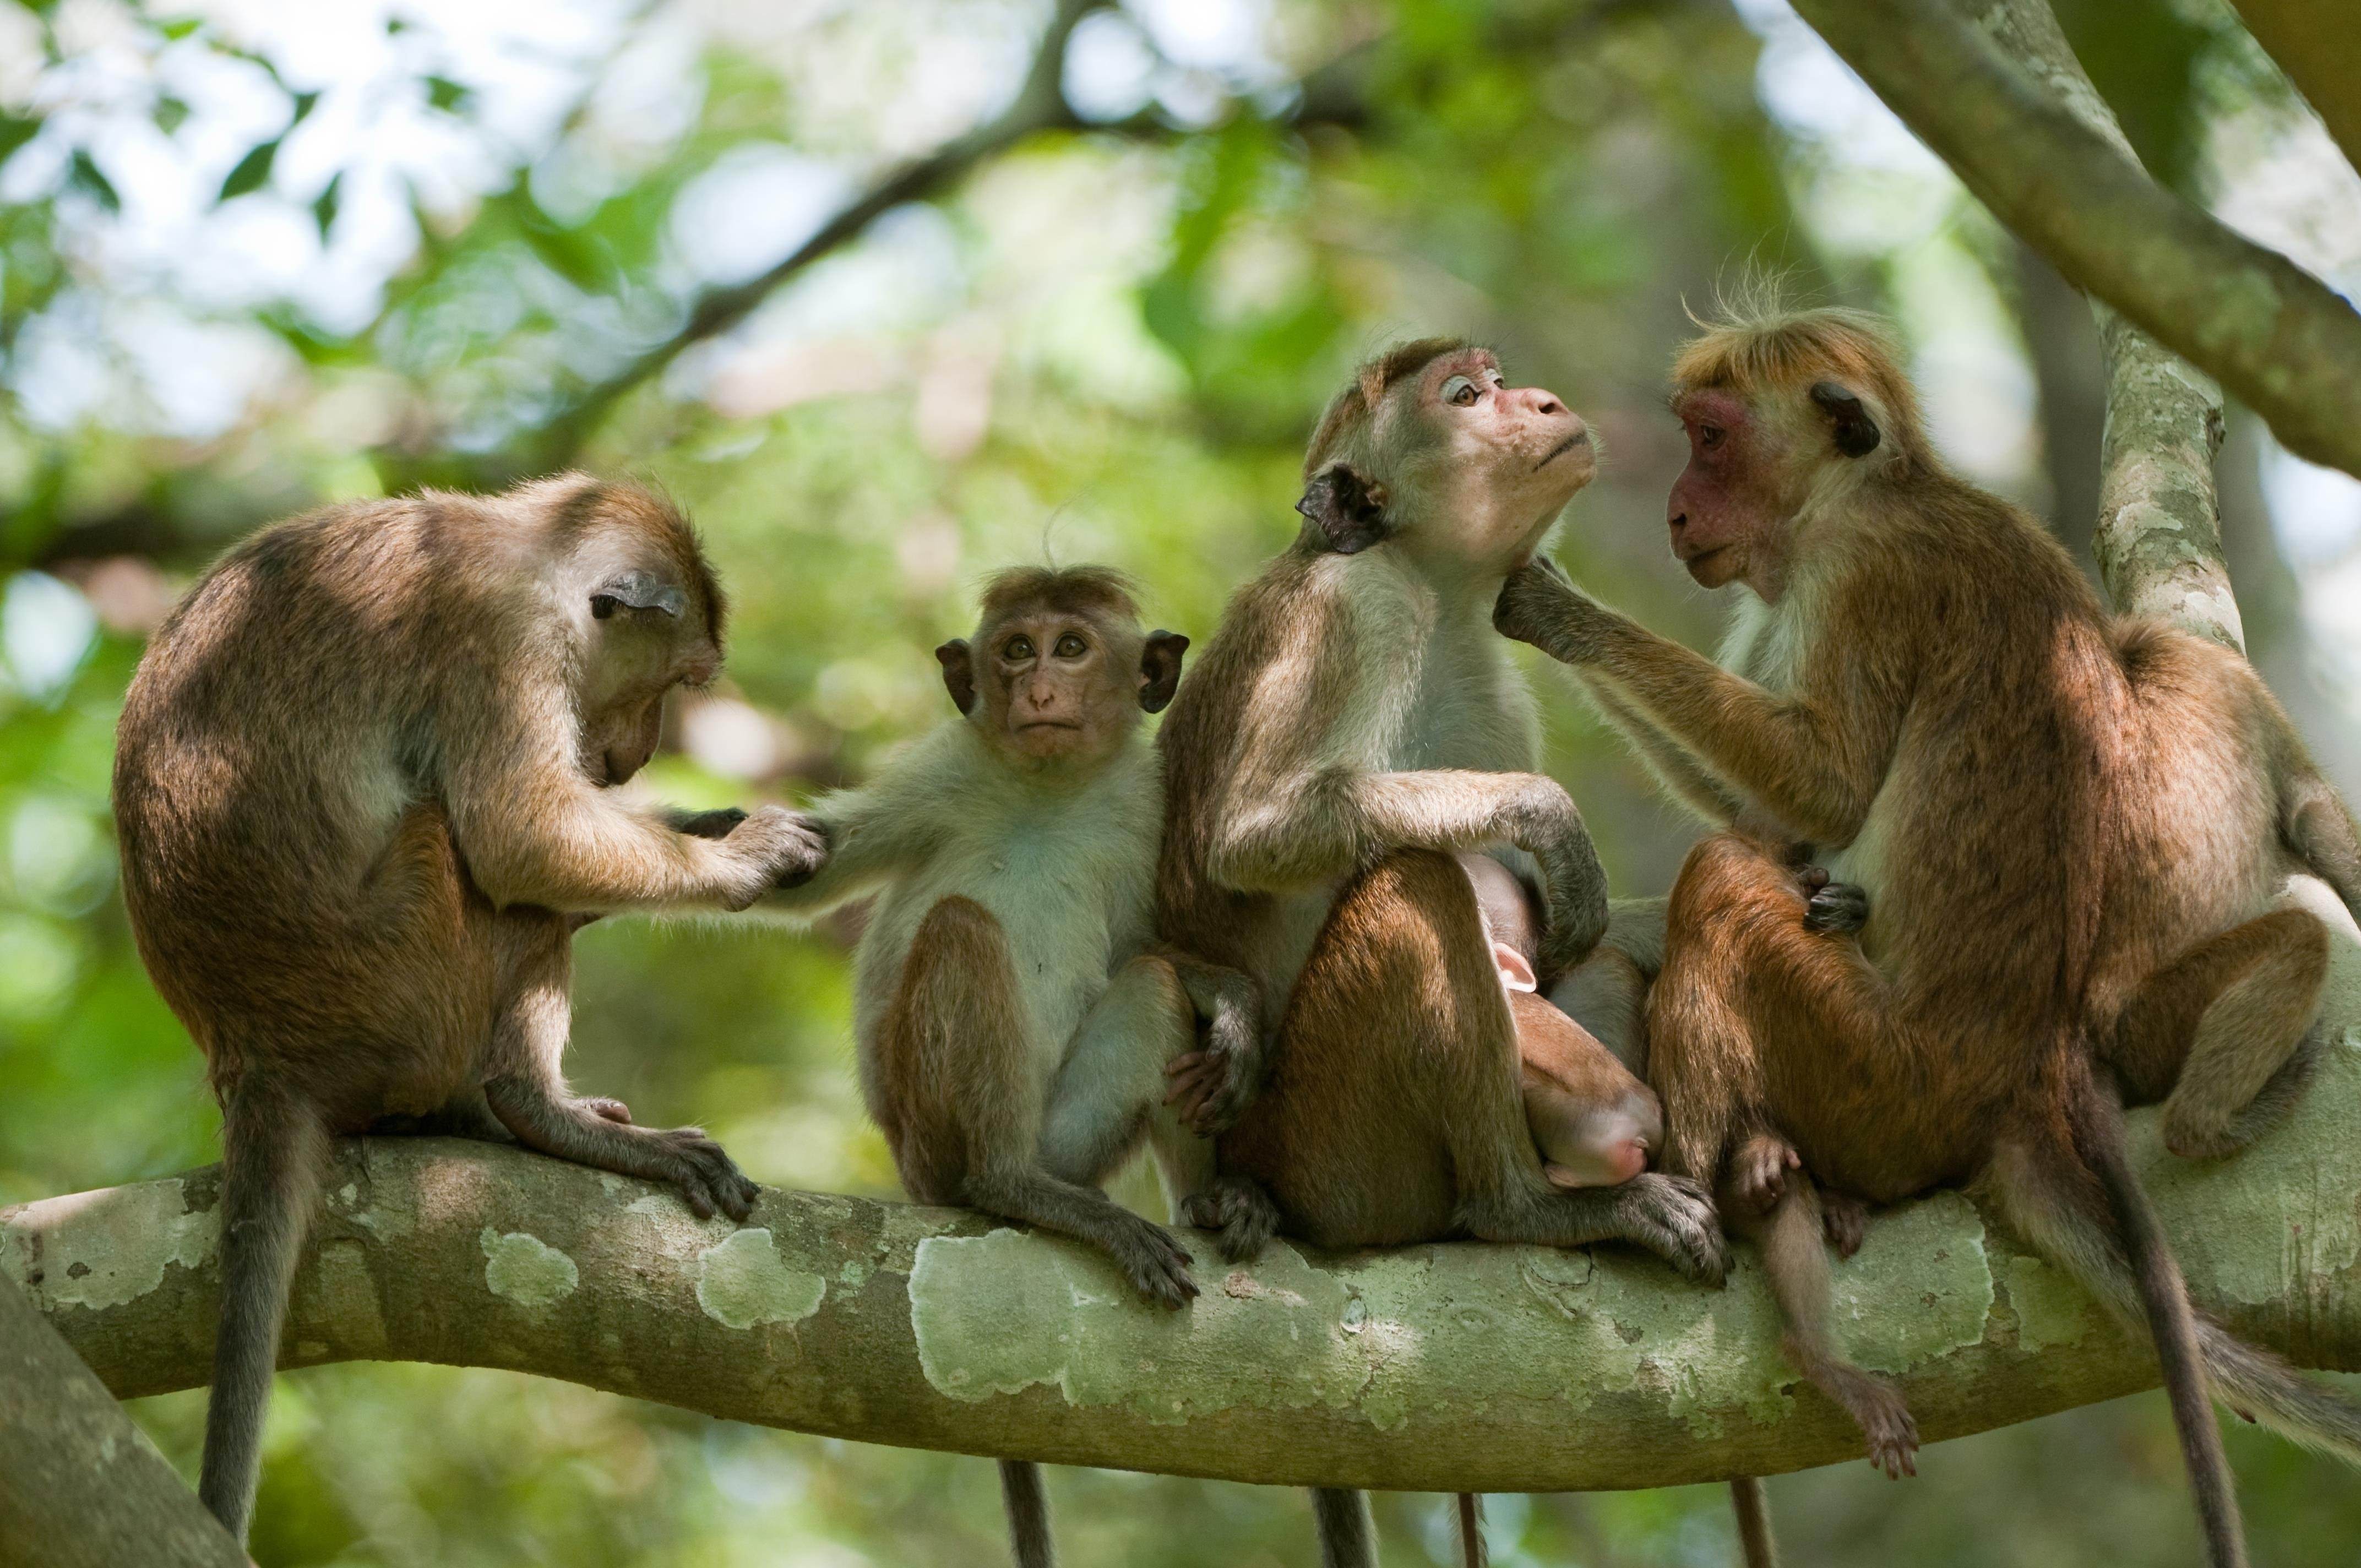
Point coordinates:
[(252, 261)]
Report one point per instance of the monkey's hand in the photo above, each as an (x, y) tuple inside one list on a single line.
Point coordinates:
[(1210, 1089), (1540, 605), (1839, 908), (1543, 822), (1671, 1217), (1158, 1265), (771, 847), (715, 824)]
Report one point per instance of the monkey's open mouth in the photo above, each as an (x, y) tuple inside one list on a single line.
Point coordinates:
[(1579, 438)]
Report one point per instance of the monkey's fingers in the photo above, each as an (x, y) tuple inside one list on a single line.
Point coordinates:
[(1844, 1219), (707, 1178), (1159, 1265), (1838, 907), (1671, 1217), (608, 1110)]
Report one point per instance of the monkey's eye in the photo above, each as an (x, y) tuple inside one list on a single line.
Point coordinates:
[(1072, 647), (1017, 648), (1459, 392), (1708, 436)]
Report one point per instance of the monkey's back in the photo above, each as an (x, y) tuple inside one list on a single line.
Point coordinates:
[(282, 862)]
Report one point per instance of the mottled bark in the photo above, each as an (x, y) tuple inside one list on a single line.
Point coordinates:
[(1427, 1368), (2275, 335), (80, 1485)]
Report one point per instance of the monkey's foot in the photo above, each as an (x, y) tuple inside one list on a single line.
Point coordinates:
[(1836, 908), (707, 1178), (1758, 1172), (1671, 1217), (1891, 1431), (1844, 1219), (1158, 1265), (1238, 1211)]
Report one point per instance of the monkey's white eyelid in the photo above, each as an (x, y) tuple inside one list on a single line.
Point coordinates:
[(1453, 387)]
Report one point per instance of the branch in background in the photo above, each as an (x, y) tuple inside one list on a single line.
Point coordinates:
[(2158, 536), (80, 1485), (1426, 1368), (2275, 335), (2317, 44)]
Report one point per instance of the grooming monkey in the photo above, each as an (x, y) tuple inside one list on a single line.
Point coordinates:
[(2075, 834), (1015, 1030), (359, 783), (1352, 724)]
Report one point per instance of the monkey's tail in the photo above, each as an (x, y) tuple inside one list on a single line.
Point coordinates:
[(1347, 1536), (1755, 1542), (1029, 1514), (2143, 1273), (1472, 1551), (274, 1149), (2262, 1387)]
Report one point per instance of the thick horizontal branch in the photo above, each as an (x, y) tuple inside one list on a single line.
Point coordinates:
[(1429, 1368), (2274, 336)]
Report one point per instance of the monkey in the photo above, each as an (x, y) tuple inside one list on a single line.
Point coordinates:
[(1592, 1118), (1015, 1026), (1352, 724), (2072, 835), (361, 789)]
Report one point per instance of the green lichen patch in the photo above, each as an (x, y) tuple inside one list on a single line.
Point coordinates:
[(525, 1269), (105, 1248), (742, 1282)]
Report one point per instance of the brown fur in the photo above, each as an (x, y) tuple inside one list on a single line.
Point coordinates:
[(2074, 829), (357, 787), (1351, 724)]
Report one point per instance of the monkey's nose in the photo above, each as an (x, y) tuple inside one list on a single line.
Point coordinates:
[(1679, 522)]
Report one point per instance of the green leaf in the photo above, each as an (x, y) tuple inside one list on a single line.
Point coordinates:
[(303, 101), (15, 131), (253, 171), (169, 114), (85, 176), (323, 206), (446, 94), (176, 31)]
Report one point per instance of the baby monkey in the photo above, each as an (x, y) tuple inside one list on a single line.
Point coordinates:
[(1018, 1037), (1592, 1118)]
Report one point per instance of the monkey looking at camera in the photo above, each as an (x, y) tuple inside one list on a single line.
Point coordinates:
[(2075, 834), (1352, 724), (359, 785), (1015, 1030)]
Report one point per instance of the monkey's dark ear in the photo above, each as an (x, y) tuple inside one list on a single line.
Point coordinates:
[(1349, 511), (1856, 432), (959, 672), (637, 590), (1159, 669)]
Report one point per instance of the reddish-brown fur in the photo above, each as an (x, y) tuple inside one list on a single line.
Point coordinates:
[(2072, 829)]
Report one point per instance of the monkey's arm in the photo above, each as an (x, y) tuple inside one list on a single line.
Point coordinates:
[(534, 830), (1683, 776), (1814, 760), (875, 836)]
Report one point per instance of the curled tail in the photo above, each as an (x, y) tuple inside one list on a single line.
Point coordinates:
[(274, 1149), (1029, 1514)]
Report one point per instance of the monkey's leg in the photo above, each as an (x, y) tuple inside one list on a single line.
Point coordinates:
[(964, 1108), (1112, 1084), (524, 1080), (1795, 1257), (2235, 1010)]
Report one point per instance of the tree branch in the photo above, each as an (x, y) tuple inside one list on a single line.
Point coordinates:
[(1429, 1368), (2276, 337), (80, 1485), (2159, 532)]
